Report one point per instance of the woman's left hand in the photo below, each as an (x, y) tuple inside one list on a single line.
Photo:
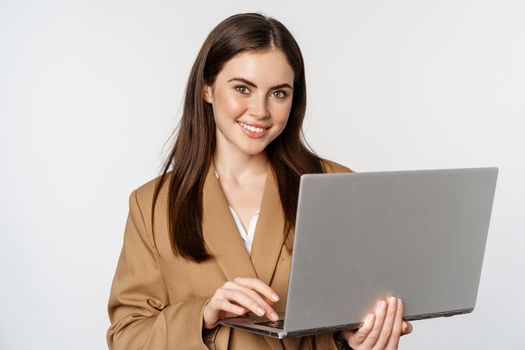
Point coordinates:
[(382, 329)]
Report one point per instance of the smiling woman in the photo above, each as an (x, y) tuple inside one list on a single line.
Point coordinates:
[(199, 246)]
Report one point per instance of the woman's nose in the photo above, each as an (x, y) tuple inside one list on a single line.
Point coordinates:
[(258, 107)]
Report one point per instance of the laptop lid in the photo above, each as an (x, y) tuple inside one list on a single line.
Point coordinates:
[(416, 234)]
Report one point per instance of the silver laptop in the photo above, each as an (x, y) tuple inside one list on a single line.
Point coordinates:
[(417, 234)]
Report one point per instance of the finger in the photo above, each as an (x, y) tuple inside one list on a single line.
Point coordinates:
[(268, 301), (380, 313), (238, 297), (393, 341), (221, 304), (263, 299), (259, 286), (388, 324), (347, 334), (407, 328), (356, 338), (269, 311)]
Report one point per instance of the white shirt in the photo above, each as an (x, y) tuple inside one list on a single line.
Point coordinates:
[(246, 236)]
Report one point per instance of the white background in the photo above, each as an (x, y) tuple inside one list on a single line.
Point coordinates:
[(90, 91)]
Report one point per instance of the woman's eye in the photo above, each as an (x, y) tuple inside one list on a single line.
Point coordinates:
[(280, 94), (242, 89), (245, 91)]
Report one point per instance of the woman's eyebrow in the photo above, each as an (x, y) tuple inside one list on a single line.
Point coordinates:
[(247, 82)]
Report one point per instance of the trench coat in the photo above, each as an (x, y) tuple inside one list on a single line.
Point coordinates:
[(157, 298)]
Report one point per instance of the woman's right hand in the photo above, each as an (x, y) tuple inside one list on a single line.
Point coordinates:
[(237, 297)]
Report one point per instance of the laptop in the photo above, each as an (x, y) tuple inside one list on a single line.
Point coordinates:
[(415, 234)]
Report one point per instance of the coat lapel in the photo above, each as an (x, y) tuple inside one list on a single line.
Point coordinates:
[(220, 232), (224, 241), (268, 237)]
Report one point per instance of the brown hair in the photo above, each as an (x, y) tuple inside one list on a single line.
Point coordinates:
[(194, 146)]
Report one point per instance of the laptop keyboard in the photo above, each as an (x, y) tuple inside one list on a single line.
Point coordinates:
[(273, 324)]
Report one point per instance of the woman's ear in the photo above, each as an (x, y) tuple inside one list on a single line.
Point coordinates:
[(208, 93)]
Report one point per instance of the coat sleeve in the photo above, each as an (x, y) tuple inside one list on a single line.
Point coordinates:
[(140, 313)]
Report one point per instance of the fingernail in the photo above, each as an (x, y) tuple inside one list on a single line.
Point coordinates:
[(274, 316), (275, 297), (369, 318), (392, 300), (260, 311)]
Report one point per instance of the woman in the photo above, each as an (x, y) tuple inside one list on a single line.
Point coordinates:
[(212, 237)]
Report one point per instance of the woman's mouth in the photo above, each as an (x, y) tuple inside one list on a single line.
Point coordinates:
[(253, 131)]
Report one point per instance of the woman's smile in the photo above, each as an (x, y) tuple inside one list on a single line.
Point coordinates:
[(253, 130)]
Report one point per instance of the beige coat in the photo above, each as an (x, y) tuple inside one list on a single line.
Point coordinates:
[(157, 299)]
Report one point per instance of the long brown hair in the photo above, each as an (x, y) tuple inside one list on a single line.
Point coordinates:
[(194, 146)]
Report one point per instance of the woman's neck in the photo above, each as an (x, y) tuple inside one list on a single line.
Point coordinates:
[(238, 168)]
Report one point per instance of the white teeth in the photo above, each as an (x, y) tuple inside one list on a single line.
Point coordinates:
[(251, 128)]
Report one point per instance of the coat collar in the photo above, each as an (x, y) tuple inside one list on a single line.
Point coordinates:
[(226, 244)]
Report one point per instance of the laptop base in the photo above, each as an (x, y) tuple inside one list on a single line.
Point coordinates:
[(248, 323)]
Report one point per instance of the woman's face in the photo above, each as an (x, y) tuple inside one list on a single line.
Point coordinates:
[(251, 100)]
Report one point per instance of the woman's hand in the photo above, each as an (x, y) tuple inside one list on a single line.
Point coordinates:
[(381, 329), (238, 297)]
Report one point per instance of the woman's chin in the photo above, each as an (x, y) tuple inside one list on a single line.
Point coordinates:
[(253, 151)]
